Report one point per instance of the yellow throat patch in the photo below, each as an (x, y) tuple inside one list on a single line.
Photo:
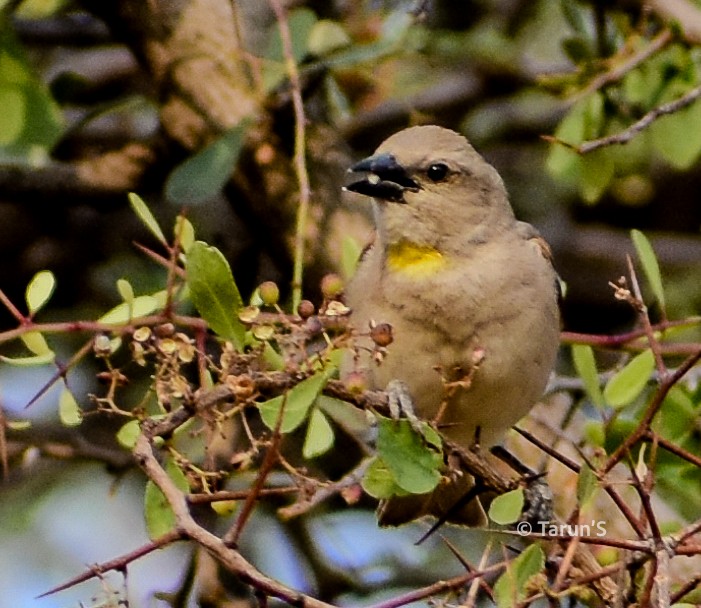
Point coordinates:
[(415, 261)]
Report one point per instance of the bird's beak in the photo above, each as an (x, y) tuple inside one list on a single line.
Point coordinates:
[(386, 180)]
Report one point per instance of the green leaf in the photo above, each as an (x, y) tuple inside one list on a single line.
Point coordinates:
[(128, 434), (68, 409), (511, 586), (36, 343), (202, 176), (676, 421), (297, 402), (630, 381), (678, 137), (507, 508), (30, 121), (19, 425), (413, 464), (577, 48), (160, 518), (350, 418), (319, 437), (29, 361), (13, 115), (597, 169), (214, 292), (379, 482), (651, 267), (327, 36), (273, 359), (595, 433), (586, 484), (185, 232), (144, 214), (123, 313), (583, 121), (585, 364), (39, 290), (126, 291)]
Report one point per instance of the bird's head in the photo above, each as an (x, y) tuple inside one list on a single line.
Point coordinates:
[(431, 183)]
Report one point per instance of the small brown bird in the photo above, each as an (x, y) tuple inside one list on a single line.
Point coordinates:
[(470, 293)]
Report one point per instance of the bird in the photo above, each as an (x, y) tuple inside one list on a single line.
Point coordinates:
[(470, 294)]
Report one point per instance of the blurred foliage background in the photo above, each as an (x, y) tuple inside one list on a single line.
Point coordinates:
[(188, 103)]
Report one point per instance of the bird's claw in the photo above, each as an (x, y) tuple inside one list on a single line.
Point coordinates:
[(401, 403)]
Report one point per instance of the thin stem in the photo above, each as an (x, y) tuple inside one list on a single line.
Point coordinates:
[(300, 160)]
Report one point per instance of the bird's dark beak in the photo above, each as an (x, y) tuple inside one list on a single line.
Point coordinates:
[(386, 180)]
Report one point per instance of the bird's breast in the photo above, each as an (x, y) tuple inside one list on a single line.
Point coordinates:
[(414, 261)]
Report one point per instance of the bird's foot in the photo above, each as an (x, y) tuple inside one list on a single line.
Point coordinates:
[(538, 504), (402, 404)]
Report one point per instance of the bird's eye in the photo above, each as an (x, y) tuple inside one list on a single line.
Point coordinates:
[(437, 172)]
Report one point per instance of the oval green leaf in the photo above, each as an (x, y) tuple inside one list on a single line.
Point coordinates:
[(629, 382), (507, 508), (39, 290), (36, 343), (68, 409), (126, 291), (651, 267), (378, 481), (214, 293), (128, 434), (319, 437), (413, 464), (184, 232), (29, 361), (202, 176), (585, 364), (296, 402), (144, 214), (586, 484), (511, 587), (159, 516), (127, 311)]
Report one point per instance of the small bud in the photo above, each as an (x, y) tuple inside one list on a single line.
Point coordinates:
[(313, 327), (337, 309), (382, 334), (331, 286), (142, 334), (167, 346), (138, 353), (164, 330), (249, 314), (356, 382), (305, 309), (241, 386), (102, 346), (269, 293), (264, 332)]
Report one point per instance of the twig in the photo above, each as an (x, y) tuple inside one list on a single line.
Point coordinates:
[(439, 587), (228, 558), (673, 448), (300, 161), (651, 411), (618, 72), (119, 563), (626, 135), (325, 492)]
